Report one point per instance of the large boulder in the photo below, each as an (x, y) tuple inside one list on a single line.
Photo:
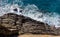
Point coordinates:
[(12, 23)]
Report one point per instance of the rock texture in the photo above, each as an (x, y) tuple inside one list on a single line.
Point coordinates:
[(12, 23)]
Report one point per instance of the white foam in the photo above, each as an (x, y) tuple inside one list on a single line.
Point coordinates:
[(32, 12)]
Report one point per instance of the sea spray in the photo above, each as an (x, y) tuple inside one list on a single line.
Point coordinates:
[(31, 11)]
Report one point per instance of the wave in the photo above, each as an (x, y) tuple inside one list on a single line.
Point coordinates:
[(31, 11)]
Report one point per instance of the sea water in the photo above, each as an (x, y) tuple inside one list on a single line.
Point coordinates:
[(46, 11)]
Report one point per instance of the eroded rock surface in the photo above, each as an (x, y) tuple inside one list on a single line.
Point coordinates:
[(12, 23)]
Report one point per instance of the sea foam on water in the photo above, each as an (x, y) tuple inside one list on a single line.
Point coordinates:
[(31, 11)]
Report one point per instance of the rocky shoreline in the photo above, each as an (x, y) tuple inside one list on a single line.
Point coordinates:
[(12, 23)]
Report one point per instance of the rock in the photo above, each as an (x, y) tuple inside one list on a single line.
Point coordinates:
[(13, 23), (15, 9)]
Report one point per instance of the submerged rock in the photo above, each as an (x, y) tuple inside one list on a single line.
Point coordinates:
[(12, 23)]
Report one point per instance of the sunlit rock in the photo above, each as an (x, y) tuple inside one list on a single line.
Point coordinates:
[(12, 23)]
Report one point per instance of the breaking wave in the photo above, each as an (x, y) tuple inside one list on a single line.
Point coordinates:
[(29, 10)]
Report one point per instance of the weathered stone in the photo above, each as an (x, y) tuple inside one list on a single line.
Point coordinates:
[(13, 23)]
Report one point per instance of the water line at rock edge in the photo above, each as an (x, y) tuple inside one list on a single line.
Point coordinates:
[(31, 11)]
